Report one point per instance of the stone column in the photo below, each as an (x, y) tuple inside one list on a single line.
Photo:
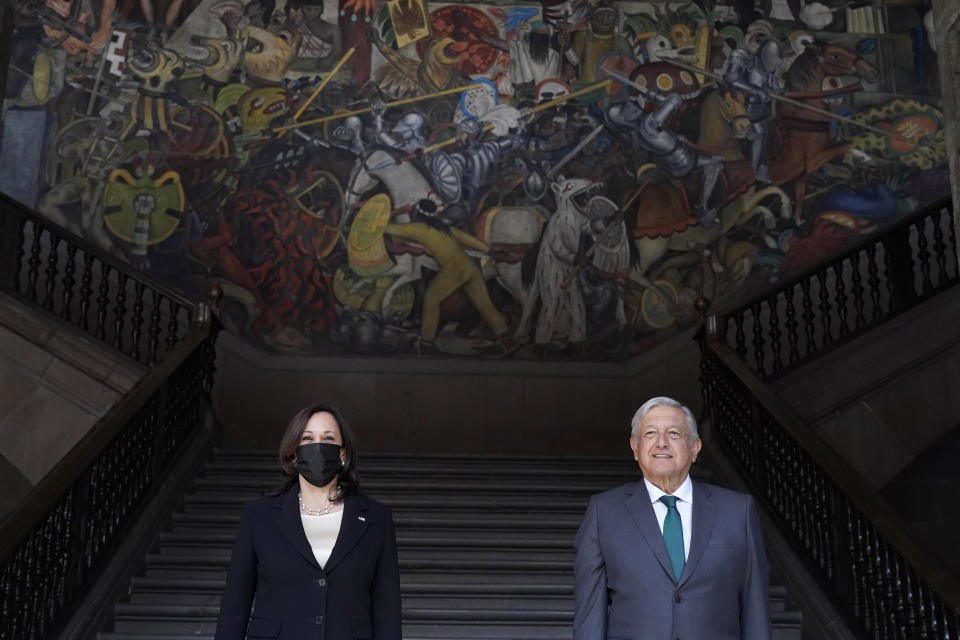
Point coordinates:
[(946, 17)]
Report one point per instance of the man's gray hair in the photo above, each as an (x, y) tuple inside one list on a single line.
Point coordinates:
[(663, 401)]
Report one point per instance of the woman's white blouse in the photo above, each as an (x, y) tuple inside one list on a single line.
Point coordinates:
[(322, 532)]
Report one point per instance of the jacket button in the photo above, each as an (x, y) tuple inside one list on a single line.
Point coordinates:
[(321, 582), (318, 620), (677, 598)]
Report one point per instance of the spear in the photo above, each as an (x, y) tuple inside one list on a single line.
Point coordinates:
[(356, 112), (540, 107), (573, 152), (320, 86), (801, 105)]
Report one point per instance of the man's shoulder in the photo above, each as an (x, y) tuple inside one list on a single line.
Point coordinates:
[(720, 494), (710, 491), (618, 493)]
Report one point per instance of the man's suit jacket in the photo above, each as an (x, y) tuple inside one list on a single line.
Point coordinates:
[(356, 594), (625, 586)]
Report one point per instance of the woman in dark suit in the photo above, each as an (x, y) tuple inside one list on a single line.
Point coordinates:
[(319, 557)]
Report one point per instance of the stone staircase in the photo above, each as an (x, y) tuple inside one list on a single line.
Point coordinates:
[(926, 493), (55, 384), (485, 545)]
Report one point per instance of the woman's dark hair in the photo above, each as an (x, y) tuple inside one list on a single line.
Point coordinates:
[(348, 481)]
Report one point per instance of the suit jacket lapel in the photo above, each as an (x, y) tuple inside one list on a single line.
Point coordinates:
[(355, 522), (704, 516), (288, 519), (641, 510)]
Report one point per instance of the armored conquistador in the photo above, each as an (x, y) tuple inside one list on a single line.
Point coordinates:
[(406, 135), (757, 75), (650, 132)]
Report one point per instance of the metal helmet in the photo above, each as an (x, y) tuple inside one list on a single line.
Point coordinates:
[(409, 126), (770, 55), (350, 128), (757, 32), (472, 127)]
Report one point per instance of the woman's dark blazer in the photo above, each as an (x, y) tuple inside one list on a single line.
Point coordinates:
[(356, 595)]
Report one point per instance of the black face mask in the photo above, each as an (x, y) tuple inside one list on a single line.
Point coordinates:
[(318, 462)]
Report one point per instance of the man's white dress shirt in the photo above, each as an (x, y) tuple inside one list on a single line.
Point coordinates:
[(684, 505)]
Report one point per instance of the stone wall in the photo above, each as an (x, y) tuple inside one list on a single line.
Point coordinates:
[(412, 404)]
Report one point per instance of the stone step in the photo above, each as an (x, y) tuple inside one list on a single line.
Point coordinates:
[(485, 631), (220, 561), (462, 471), (161, 618), (405, 540), (406, 504), (208, 592), (107, 635), (255, 486), (408, 555), (186, 619), (410, 632), (420, 459), (450, 521)]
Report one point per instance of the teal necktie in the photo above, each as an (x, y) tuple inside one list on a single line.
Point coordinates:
[(673, 535)]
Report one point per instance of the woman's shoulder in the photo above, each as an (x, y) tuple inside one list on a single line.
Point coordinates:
[(366, 503), (269, 499)]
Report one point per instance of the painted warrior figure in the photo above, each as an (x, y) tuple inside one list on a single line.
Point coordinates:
[(475, 161), (757, 75), (406, 135), (349, 135), (678, 158)]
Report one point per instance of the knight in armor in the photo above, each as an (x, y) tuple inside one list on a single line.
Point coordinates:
[(757, 75), (475, 161), (674, 153), (349, 135), (406, 135)]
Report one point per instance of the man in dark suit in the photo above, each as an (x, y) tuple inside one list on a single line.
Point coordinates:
[(666, 558)]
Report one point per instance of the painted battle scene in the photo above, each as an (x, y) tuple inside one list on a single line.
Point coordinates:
[(488, 180)]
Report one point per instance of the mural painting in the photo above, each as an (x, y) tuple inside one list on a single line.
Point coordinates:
[(553, 179)]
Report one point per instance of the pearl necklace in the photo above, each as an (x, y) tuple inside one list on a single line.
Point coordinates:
[(322, 511)]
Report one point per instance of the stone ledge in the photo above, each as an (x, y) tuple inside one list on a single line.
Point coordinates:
[(434, 365), (35, 340)]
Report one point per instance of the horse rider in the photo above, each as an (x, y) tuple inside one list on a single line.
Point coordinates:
[(757, 75), (676, 155)]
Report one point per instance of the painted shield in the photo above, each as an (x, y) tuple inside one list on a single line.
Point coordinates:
[(474, 103), (446, 176), (655, 311), (323, 199), (365, 247), (44, 76), (550, 89), (129, 201), (619, 63)]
